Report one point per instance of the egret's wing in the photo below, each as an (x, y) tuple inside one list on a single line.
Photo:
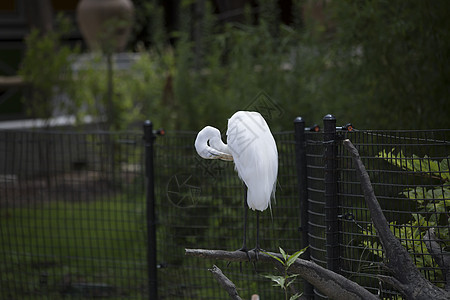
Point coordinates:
[(255, 155)]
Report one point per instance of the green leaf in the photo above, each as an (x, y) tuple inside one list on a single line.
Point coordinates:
[(279, 280), (285, 256), (444, 168), (294, 256), (274, 257), (296, 296), (293, 276)]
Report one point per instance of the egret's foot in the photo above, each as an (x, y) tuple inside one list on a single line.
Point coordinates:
[(257, 250), (244, 249)]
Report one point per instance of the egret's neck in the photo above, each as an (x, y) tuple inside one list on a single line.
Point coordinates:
[(209, 145), (216, 143)]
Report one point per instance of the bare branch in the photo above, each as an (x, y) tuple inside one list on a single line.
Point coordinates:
[(226, 283), (413, 284), (329, 283), (440, 257)]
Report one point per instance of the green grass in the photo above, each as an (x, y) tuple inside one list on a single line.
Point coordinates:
[(73, 249)]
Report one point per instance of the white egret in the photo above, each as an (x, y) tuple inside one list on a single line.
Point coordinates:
[(251, 146)]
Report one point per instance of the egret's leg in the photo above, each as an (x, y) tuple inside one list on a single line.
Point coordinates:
[(244, 240), (257, 248), (257, 230)]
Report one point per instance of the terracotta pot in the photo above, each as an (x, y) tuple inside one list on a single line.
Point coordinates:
[(105, 24)]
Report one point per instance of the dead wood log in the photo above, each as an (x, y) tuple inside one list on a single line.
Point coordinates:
[(333, 285), (408, 280)]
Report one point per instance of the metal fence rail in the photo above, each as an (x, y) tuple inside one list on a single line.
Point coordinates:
[(75, 219)]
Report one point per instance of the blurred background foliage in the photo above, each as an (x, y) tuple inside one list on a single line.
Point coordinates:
[(378, 64)]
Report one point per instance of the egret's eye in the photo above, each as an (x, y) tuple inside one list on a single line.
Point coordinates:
[(207, 143)]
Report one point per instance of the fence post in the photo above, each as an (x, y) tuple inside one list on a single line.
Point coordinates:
[(300, 159), (331, 199), (149, 139)]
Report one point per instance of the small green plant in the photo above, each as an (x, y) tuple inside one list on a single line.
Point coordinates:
[(46, 67), (433, 203), (285, 280)]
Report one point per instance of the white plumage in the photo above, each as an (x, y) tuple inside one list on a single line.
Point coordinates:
[(252, 147)]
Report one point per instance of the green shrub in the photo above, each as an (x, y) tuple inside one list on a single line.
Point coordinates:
[(46, 66), (433, 202), (376, 64)]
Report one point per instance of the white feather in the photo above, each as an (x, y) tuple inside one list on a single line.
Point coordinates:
[(209, 145), (252, 147), (255, 156)]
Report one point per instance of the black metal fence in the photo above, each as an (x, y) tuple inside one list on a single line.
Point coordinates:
[(410, 175), (76, 220), (72, 215)]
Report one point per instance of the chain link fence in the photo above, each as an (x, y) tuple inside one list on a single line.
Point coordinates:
[(74, 207)]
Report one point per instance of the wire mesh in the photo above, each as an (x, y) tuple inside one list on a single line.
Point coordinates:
[(410, 176), (72, 210), (316, 199), (200, 205), (73, 221)]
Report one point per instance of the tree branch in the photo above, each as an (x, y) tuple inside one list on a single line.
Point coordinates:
[(440, 257), (406, 278), (226, 283), (329, 283), (413, 284)]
